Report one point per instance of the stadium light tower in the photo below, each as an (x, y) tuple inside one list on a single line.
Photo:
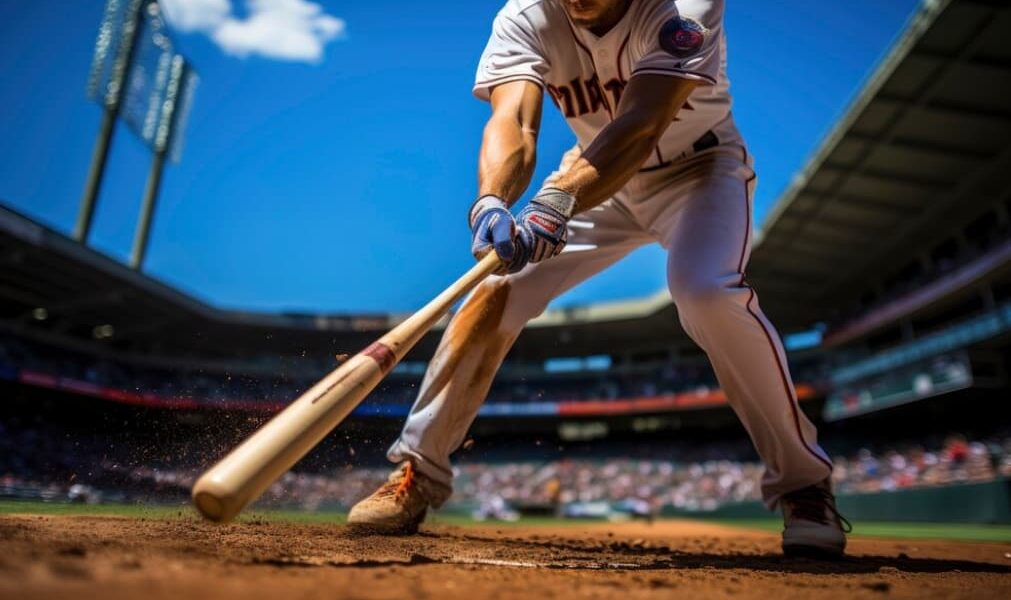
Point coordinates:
[(137, 76), (113, 54)]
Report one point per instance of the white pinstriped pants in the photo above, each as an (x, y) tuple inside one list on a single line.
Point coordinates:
[(699, 210)]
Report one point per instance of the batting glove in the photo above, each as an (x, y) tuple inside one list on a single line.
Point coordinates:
[(544, 223), (492, 227)]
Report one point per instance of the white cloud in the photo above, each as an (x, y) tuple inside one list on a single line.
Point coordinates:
[(281, 29), (196, 15), (295, 30)]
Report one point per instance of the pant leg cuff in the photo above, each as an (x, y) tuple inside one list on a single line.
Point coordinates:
[(441, 477), (771, 494)]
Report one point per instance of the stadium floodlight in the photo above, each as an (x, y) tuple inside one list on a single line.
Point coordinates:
[(159, 86), (162, 107), (137, 76), (113, 54), (103, 332)]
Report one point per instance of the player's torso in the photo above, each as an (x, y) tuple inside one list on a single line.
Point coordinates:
[(587, 75)]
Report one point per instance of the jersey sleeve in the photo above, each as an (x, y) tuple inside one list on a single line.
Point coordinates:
[(680, 40), (513, 53)]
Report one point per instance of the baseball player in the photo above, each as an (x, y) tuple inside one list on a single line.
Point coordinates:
[(643, 85)]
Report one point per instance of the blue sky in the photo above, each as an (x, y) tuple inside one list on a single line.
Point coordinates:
[(329, 166)]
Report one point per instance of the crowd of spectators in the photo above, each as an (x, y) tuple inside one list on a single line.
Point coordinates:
[(59, 466), (958, 460), (709, 484)]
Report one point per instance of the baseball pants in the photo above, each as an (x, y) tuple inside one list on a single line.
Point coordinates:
[(699, 210)]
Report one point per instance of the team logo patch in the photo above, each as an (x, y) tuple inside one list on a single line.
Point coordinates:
[(682, 36)]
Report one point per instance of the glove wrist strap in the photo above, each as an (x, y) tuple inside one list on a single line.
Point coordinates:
[(556, 199), (483, 203)]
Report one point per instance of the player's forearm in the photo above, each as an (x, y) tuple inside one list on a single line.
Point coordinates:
[(616, 154), (648, 106), (508, 153)]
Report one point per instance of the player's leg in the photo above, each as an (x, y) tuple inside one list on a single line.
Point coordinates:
[(471, 351), (708, 239)]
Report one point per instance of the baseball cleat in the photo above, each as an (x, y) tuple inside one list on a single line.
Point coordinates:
[(813, 527), (398, 506)]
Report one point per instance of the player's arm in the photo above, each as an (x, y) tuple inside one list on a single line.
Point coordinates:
[(509, 145), (505, 167), (648, 105)]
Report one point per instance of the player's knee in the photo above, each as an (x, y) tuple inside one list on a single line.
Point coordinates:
[(520, 300), (701, 296), (498, 306)]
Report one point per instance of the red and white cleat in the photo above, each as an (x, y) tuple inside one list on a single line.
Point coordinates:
[(813, 527)]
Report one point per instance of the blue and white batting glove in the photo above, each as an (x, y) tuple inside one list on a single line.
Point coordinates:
[(544, 223), (493, 228)]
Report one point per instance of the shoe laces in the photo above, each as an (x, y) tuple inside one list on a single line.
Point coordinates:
[(815, 503), (399, 487)]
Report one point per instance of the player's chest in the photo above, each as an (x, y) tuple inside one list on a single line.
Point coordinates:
[(585, 81)]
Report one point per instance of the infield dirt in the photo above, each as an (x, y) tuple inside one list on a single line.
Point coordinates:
[(117, 558)]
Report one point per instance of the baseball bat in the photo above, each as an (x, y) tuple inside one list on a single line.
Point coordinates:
[(241, 476)]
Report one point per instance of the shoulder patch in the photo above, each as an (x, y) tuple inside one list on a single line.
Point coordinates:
[(682, 36)]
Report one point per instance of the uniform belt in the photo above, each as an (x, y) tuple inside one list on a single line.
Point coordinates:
[(707, 141)]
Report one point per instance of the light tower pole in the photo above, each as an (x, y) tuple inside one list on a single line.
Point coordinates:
[(117, 34)]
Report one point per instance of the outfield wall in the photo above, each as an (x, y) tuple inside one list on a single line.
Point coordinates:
[(988, 502)]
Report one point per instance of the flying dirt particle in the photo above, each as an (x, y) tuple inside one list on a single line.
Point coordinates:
[(343, 356), (468, 444)]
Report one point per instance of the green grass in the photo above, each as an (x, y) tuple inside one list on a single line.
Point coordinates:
[(936, 531), (148, 511), (34, 507), (968, 532)]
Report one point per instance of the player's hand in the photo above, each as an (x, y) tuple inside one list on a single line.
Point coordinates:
[(544, 223), (493, 228)]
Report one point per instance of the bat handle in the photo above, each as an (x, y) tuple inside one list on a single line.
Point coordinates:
[(484, 267), (405, 335)]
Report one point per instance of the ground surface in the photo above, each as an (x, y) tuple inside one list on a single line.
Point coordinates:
[(173, 555)]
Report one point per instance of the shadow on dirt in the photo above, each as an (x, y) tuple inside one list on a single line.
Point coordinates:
[(569, 554)]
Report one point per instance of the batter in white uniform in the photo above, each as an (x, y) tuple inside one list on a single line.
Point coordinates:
[(643, 85)]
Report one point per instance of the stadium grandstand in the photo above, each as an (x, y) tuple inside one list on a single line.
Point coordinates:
[(887, 262)]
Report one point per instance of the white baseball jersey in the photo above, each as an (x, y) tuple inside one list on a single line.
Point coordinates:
[(584, 74)]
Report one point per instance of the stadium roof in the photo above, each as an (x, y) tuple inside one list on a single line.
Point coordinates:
[(81, 289), (929, 134)]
